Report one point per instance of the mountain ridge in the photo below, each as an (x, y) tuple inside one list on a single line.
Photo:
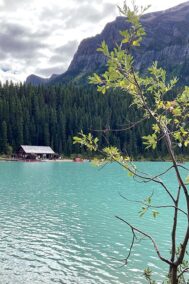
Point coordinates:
[(37, 80), (167, 41)]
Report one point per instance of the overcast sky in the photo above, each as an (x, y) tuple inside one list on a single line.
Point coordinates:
[(41, 36)]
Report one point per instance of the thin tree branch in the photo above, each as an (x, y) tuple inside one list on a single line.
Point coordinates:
[(146, 178), (130, 249), (133, 124), (183, 167), (173, 234), (163, 173), (149, 237), (184, 271), (183, 248), (153, 206)]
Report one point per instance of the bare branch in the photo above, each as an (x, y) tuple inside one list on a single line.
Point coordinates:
[(134, 240), (174, 228), (183, 167), (147, 179), (161, 174), (149, 237), (130, 249)]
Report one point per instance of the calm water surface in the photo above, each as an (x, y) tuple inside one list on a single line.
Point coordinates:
[(57, 224)]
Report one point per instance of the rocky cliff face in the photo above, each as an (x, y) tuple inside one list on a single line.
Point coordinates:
[(167, 41)]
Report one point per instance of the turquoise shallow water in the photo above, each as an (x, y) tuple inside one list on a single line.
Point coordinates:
[(58, 225)]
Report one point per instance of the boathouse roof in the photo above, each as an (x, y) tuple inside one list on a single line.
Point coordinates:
[(37, 149)]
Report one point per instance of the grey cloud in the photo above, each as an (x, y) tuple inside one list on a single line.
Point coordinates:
[(64, 13), (109, 8), (19, 45), (85, 12), (49, 13), (19, 42), (64, 53), (13, 4), (56, 58), (5, 69), (3, 55), (15, 29), (57, 69), (68, 49), (88, 13), (19, 48)]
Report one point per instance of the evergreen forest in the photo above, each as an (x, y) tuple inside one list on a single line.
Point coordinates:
[(52, 115)]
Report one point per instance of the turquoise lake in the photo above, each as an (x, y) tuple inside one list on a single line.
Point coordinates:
[(58, 225)]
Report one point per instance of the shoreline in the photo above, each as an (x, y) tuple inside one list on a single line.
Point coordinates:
[(66, 160)]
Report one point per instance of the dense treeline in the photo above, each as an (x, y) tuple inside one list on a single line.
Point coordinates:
[(52, 115)]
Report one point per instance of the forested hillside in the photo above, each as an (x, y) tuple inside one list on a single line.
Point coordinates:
[(52, 115)]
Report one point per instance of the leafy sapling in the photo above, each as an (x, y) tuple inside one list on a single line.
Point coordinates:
[(152, 93)]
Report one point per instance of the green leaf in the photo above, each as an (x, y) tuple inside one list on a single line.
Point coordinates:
[(187, 180), (130, 174), (112, 153), (104, 48), (142, 211), (148, 200), (151, 141), (155, 213), (86, 140), (156, 128), (147, 273), (136, 43)]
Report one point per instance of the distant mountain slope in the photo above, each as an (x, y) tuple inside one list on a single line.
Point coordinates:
[(167, 41), (36, 80)]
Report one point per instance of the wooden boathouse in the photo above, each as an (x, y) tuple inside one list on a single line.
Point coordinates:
[(36, 152)]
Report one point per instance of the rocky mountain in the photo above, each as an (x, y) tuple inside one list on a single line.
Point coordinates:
[(167, 41), (36, 80)]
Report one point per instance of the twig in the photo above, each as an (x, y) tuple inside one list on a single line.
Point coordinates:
[(184, 271), (163, 173), (153, 206), (121, 129), (147, 178), (183, 167), (133, 229)]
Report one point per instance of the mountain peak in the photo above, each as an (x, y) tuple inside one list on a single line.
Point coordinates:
[(167, 41), (36, 80)]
